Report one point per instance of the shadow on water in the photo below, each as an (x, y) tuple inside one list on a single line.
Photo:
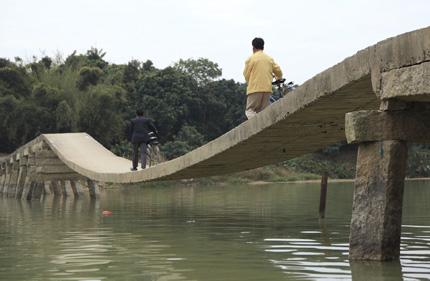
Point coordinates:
[(269, 232)]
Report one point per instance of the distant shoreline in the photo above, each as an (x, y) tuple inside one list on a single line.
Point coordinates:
[(318, 181)]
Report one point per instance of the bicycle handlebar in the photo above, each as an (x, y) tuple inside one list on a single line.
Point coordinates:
[(278, 82)]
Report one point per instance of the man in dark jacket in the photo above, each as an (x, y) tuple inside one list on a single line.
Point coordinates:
[(139, 134)]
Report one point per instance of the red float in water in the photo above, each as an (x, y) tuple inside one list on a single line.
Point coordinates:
[(107, 213)]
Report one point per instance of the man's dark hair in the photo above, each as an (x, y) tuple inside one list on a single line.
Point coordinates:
[(139, 112), (258, 43)]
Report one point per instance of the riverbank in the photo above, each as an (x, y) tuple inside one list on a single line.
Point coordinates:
[(274, 174), (329, 181)]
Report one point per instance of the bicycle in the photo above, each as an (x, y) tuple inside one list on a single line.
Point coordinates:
[(282, 89), (153, 154)]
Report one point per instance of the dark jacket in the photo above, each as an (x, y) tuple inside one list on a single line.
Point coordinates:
[(139, 130)]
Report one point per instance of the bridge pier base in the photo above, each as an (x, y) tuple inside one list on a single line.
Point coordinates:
[(3, 177), (76, 188), (55, 188), (21, 177), (36, 190), (65, 189), (11, 190), (93, 189), (381, 167), (377, 204)]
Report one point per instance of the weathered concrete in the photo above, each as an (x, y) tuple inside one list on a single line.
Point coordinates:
[(364, 126), (11, 191), (22, 176), (407, 83), (66, 189), (30, 176), (47, 188), (56, 188), (36, 190), (94, 189), (377, 203), (76, 188), (5, 174)]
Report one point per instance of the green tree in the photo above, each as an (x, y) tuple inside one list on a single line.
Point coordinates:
[(14, 80), (64, 118), (100, 113), (168, 97), (88, 76), (202, 70)]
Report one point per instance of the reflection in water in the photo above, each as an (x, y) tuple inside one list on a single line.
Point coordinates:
[(383, 271), (95, 251), (202, 233)]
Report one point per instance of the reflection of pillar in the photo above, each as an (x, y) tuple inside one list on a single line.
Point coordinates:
[(364, 271), (381, 167), (93, 189)]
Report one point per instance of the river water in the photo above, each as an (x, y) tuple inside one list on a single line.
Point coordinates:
[(246, 232)]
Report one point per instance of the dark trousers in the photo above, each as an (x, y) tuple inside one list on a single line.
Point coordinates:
[(142, 147)]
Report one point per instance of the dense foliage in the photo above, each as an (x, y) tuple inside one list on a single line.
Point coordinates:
[(189, 102), (86, 93)]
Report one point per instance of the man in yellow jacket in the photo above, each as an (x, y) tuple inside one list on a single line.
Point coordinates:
[(259, 72)]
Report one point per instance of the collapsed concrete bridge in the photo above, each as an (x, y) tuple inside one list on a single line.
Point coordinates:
[(378, 98)]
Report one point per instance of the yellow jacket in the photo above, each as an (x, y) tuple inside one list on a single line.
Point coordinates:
[(259, 71)]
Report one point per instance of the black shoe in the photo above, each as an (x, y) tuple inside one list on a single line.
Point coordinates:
[(143, 168), (133, 169)]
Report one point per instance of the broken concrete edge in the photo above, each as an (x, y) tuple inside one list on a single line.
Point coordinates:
[(375, 125)]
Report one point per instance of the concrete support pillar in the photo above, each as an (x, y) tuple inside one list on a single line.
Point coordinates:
[(56, 188), (76, 188), (29, 194), (21, 177), (377, 204), (3, 177), (31, 174), (26, 191), (37, 188), (47, 186), (93, 189), (11, 189), (66, 189), (381, 166)]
